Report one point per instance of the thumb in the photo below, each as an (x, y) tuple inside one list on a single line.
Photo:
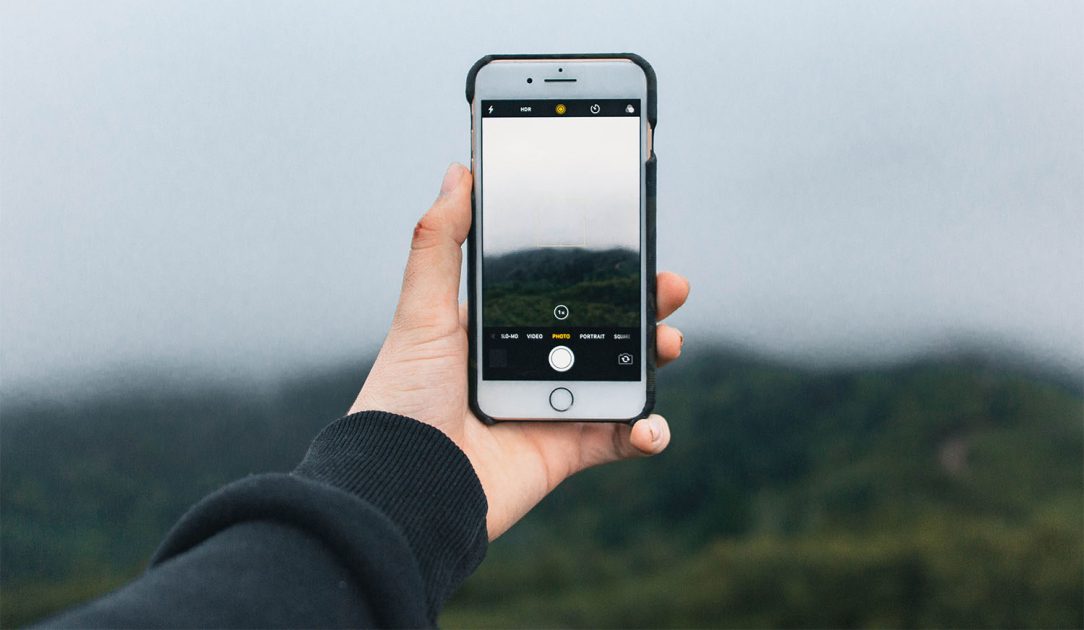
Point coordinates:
[(431, 281)]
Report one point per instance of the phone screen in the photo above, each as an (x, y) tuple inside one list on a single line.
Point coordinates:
[(560, 240)]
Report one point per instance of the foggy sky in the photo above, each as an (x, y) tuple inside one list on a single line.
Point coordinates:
[(231, 187), (560, 182)]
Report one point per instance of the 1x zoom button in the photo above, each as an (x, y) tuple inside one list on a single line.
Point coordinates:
[(561, 358)]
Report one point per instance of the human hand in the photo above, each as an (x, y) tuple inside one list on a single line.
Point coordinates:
[(421, 372)]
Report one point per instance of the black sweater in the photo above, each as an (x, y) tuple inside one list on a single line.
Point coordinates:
[(380, 523)]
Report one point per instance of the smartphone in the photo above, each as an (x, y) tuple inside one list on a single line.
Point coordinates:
[(561, 254)]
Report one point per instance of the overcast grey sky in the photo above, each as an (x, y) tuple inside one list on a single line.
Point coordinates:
[(232, 186), (560, 182)]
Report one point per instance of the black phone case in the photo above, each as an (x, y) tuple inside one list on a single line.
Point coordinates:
[(649, 186)]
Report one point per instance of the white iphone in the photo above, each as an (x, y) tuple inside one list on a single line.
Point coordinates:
[(561, 256)]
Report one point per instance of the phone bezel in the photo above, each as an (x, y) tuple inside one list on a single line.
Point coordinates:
[(595, 78)]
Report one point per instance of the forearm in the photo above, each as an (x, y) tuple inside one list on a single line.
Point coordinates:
[(383, 519), (257, 573)]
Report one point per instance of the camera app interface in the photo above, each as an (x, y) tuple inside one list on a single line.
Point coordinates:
[(560, 217)]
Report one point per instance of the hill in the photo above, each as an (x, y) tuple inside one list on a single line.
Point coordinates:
[(600, 287), (938, 493)]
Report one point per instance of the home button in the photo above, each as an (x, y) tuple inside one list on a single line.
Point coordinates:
[(561, 399)]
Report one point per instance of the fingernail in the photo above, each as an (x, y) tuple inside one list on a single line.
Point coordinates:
[(451, 178), (681, 339), (653, 428)]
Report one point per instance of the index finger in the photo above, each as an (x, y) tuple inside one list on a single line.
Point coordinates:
[(672, 291)]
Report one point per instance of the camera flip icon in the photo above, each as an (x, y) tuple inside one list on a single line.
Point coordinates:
[(624, 359)]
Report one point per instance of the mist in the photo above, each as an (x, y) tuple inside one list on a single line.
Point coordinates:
[(231, 188)]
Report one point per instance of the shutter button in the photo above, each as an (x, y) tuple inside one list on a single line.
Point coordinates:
[(561, 358)]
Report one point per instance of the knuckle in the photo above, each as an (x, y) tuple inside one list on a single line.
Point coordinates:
[(427, 232)]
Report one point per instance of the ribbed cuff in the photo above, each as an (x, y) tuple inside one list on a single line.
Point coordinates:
[(421, 481)]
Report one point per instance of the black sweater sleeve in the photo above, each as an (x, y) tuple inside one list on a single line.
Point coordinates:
[(377, 526)]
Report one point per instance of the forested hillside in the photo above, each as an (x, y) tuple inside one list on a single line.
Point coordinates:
[(600, 287), (944, 492)]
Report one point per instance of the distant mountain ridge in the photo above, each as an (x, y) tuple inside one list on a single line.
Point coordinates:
[(940, 492), (569, 265)]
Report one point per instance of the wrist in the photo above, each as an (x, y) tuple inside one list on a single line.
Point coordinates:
[(419, 479)]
